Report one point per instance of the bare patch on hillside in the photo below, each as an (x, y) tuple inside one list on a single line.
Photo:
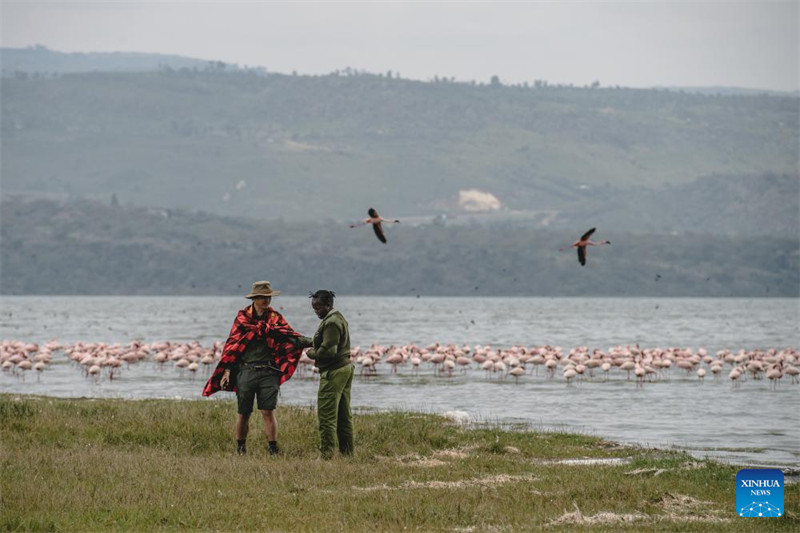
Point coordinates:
[(294, 146)]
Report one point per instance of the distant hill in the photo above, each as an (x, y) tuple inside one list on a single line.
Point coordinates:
[(766, 204), (234, 142), (83, 247), (730, 91), (42, 60)]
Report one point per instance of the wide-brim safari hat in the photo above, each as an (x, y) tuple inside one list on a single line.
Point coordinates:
[(262, 288)]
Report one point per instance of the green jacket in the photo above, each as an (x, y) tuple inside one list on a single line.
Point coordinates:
[(332, 342)]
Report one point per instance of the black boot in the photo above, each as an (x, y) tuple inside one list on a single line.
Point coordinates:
[(241, 447), (273, 447)]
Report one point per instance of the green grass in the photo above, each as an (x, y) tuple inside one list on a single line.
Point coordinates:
[(99, 465)]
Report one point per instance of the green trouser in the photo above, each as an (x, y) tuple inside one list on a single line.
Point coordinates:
[(333, 408)]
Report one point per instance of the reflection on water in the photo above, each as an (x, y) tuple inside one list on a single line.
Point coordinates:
[(749, 424)]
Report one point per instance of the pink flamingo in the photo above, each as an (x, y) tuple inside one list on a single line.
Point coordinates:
[(582, 243), (375, 219), (395, 359), (569, 373), (517, 372), (793, 372), (775, 373)]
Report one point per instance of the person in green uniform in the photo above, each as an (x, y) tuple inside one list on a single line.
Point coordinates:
[(331, 355)]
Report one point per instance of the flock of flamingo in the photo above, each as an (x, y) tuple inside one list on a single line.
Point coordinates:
[(643, 365)]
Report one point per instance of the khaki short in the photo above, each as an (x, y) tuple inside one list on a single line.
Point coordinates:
[(260, 385)]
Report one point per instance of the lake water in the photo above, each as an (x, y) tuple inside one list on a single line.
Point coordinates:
[(748, 424)]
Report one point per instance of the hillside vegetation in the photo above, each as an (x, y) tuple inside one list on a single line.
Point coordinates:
[(84, 247), (240, 142), (40, 60)]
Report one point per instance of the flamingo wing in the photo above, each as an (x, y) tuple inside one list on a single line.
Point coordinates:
[(587, 234), (378, 229), (582, 255)]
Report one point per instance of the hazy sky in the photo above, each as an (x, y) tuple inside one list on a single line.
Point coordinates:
[(635, 43)]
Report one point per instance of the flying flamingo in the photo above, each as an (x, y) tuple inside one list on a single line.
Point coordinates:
[(582, 243), (375, 219)]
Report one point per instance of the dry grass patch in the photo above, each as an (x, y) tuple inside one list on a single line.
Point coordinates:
[(426, 463), (577, 518), (646, 472), (488, 481), (692, 465), (414, 459), (682, 508), (586, 461), (455, 453), (676, 507)]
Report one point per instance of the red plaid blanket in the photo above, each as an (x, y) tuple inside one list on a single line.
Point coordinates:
[(275, 331)]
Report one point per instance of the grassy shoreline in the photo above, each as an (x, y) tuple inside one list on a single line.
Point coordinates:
[(132, 465)]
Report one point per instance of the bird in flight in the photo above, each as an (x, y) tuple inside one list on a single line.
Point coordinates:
[(375, 219), (582, 243)]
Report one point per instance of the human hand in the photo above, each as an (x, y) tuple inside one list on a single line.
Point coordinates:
[(226, 379)]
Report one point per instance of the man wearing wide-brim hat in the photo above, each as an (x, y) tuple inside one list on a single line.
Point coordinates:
[(261, 353)]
